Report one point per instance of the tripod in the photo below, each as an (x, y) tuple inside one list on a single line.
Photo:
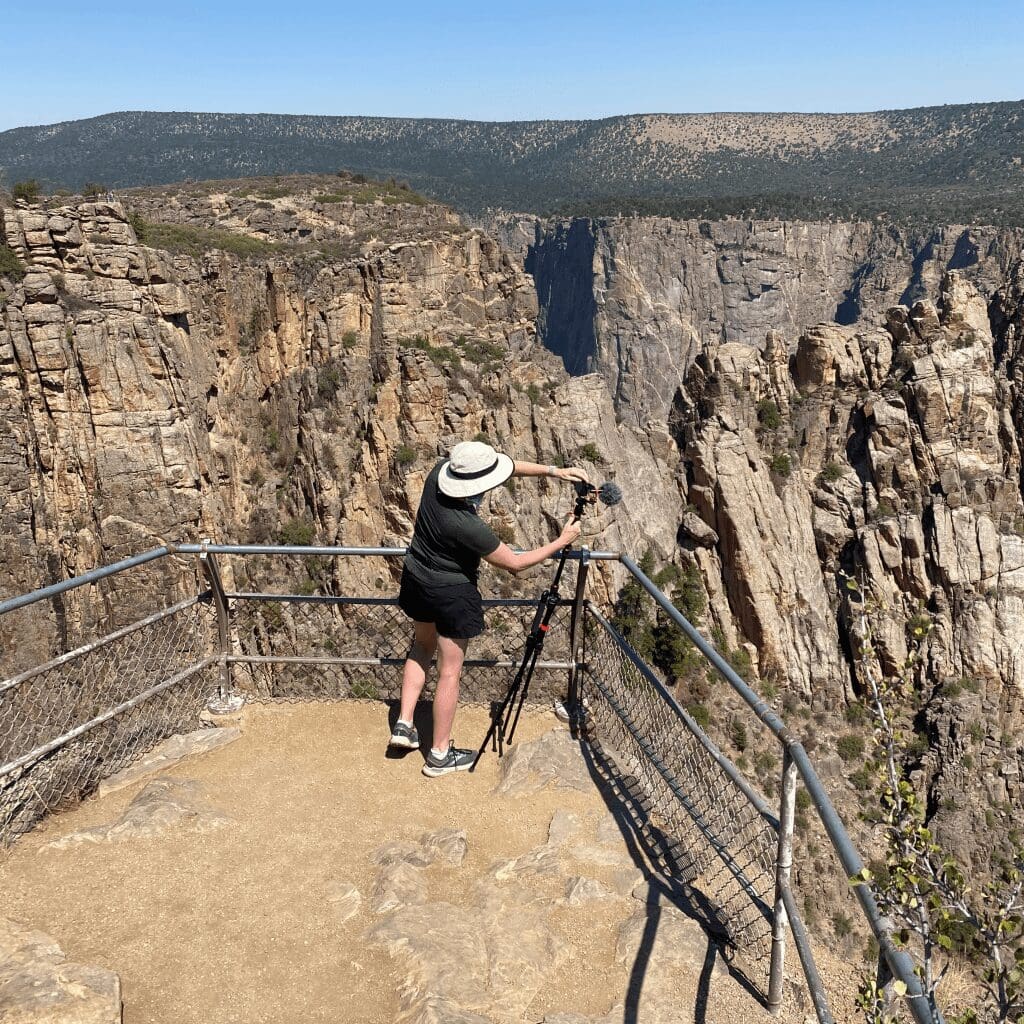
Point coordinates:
[(505, 717)]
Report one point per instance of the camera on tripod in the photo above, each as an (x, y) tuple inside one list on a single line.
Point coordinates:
[(587, 494)]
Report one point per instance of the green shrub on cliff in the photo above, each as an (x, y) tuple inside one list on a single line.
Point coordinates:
[(390, 194), (768, 414), (441, 355), (193, 240), (832, 472), (10, 265), (297, 532), (27, 191), (481, 352)]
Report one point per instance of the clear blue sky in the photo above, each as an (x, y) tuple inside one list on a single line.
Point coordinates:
[(504, 61)]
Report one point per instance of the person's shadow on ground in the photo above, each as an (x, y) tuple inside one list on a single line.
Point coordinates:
[(423, 720)]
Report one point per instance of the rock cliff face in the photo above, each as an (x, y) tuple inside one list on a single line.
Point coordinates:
[(779, 402), (636, 299), (151, 396), (881, 443)]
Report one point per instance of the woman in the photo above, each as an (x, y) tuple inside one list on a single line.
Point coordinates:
[(439, 584)]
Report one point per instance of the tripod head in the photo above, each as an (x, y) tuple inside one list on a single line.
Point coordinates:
[(587, 494)]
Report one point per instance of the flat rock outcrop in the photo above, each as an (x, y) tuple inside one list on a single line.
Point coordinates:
[(163, 804), (172, 751), (39, 985), (492, 957)]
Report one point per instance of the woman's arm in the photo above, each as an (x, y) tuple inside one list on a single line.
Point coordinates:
[(503, 557), (560, 472)]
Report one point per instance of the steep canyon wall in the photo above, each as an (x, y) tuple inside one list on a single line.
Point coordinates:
[(846, 400)]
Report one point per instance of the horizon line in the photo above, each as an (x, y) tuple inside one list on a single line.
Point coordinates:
[(528, 120)]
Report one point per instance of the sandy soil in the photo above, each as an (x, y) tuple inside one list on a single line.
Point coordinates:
[(234, 924)]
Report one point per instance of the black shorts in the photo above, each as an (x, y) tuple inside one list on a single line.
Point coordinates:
[(455, 608)]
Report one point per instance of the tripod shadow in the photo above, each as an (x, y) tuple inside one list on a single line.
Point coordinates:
[(668, 874)]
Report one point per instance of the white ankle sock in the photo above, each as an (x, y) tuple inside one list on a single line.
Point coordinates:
[(402, 721), (439, 754)]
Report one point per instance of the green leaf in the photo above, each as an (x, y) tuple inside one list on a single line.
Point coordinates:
[(900, 988)]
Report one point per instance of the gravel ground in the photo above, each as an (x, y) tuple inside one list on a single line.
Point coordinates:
[(235, 924)]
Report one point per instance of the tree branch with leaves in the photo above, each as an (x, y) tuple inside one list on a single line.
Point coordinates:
[(923, 892)]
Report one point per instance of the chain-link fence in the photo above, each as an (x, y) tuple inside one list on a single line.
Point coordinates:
[(76, 708), (75, 720), (330, 630), (700, 826), (320, 648)]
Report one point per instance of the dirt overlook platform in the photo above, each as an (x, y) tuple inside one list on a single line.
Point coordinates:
[(298, 873)]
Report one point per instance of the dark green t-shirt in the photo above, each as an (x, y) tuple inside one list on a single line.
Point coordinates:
[(449, 538)]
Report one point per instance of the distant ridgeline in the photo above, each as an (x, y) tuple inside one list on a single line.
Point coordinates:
[(951, 164)]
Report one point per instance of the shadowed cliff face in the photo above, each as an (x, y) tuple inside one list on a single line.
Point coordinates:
[(147, 395), (661, 290), (561, 262)]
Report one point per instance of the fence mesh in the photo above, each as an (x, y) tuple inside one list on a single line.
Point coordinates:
[(48, 703), (701, 829), (378, 632)]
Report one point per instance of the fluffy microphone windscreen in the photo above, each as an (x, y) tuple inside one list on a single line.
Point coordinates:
[(609, 493)]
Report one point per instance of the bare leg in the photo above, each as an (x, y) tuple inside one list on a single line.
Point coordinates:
[(416, 665), (450, 655)]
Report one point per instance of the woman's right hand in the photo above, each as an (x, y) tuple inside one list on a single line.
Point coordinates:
[(570, 532)]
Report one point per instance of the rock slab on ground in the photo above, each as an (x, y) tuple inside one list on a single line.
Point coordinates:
[(554, 759), (39, 985), (163, 804), (171, 752)]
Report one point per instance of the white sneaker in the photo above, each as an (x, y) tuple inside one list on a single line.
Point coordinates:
[(456, 760), (563, 712)]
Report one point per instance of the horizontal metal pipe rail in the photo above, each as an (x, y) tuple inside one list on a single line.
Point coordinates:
[(900, 962), (270, 549), (95, 575), (299, 659), (388, 602)]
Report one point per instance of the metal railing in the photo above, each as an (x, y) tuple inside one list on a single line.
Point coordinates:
[(80, 713)]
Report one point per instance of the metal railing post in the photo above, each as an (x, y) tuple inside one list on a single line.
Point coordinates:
[(227, 701), (783, 866), (575, 622)]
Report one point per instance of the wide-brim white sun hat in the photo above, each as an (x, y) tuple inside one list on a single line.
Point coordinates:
[(472, 468)]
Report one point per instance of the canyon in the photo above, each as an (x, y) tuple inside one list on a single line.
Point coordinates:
[(782, 403)]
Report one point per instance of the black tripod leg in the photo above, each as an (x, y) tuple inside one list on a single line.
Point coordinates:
[(534, 643), (497, 729), (509, 732)]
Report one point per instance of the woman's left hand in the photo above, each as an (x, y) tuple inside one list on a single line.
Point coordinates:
[(573, 473)]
